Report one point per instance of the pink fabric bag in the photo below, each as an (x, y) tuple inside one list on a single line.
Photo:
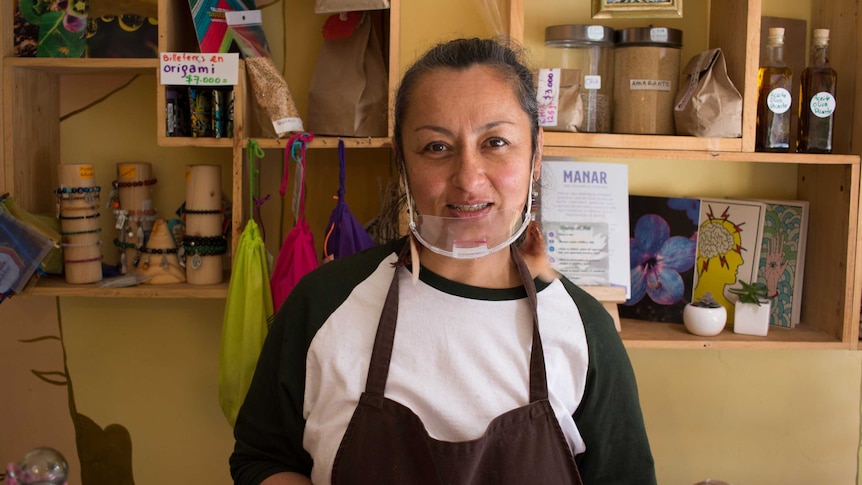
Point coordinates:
[(297, 255)]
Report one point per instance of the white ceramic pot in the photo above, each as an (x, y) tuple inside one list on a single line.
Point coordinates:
[(751, 319), (703, 321)]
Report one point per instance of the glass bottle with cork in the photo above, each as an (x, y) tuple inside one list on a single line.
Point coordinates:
[(774, 80), (817, 99)]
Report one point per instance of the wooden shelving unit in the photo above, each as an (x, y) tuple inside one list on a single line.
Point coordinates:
[(833, 276), (31, 142), (831, 290)]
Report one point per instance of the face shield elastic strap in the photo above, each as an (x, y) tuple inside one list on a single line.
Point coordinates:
[(469, 238)]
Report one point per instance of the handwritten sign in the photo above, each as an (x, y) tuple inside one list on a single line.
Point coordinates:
[(196, 69), (548, 96)]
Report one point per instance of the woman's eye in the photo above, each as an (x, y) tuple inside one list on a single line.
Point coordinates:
[(497, 142), (435, 147)]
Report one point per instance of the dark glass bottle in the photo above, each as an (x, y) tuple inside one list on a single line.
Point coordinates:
[(774, 80), (817, 99)]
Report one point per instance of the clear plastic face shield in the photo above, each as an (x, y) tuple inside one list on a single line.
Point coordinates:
[(470, 237)]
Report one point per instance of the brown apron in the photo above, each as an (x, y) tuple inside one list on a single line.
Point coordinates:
[(386, 443)]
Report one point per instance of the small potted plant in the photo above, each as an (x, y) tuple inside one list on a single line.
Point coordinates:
[(704, 316), (752, 310)]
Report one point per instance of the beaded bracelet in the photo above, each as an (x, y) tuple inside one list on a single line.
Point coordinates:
[(200, 251), (134, 214), (124, 245), (69, 218), (137, 183), (158, 251), (63, 190), (80, 245), (213, 211), (90, 260), (85, 208), (74, 233), (203, 240)]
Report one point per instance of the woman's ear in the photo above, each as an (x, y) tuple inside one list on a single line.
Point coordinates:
[(537, 157)]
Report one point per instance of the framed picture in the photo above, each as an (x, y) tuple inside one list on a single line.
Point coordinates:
[(605, 9)]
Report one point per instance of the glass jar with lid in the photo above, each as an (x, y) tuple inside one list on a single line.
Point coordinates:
[(584, 54), (646, 71)]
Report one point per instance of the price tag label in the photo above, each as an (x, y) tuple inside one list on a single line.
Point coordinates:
[(197, 69), (548, 96)]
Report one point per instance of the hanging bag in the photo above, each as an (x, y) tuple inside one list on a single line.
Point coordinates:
[(344, 234), (297, 256), (248, 312)]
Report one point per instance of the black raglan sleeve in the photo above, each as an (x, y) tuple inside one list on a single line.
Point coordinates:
[(609, 417)]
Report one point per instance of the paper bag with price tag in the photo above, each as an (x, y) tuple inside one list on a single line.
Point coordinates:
[(558, 92)]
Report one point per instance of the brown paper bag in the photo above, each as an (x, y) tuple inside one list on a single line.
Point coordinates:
[(348, 92), (708, 104), (571, 110), (335, 6)]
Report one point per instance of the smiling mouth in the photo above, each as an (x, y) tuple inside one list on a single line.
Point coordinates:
[(469, 207)]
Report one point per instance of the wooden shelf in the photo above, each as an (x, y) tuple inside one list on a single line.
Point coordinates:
[(56, 286), (71, 66), (329, 142), (719, 156), (657, 335), (642, 142)]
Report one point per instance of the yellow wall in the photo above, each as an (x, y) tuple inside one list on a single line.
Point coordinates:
[(746, 417)]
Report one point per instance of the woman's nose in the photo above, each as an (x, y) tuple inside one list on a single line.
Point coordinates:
[(469, 171)]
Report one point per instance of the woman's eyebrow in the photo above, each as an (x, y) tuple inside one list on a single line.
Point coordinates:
[(445, 131)]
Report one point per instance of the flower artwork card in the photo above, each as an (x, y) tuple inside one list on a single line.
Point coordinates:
[(662, 254), (782, 258), (728, 248)]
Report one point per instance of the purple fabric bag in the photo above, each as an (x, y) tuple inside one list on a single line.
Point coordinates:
[(344, 234)]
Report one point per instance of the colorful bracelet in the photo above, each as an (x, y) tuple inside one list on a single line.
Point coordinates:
[(63, 190), (80, 245), (137, 183), (74, 233), (70, 218), (90, 260)]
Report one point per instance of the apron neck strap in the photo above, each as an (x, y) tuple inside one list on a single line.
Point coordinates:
[(378, 370)]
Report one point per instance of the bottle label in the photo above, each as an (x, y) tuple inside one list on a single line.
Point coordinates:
[(778, 100), (593, 82), (823, 104)]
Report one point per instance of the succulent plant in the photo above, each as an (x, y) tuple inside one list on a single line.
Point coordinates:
[(706, 301), (751, 293)]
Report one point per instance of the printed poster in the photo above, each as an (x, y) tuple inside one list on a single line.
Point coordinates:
[(583, 209)]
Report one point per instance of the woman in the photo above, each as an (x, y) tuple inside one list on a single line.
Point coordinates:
[(493, 375)]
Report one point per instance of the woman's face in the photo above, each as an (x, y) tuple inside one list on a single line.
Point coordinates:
[(466, 144)]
